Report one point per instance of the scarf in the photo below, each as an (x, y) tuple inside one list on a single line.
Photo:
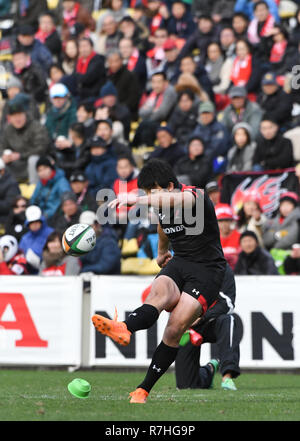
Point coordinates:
[(155, 23), (42, 36), (278, 51), (254, 35), (133, 59), (241, 70), (45, 181), (83, 63), (70, 18)]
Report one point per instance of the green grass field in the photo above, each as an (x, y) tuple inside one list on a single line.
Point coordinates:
[(42, 395)]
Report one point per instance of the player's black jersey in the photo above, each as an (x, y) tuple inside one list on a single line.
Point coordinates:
[(204, 246)]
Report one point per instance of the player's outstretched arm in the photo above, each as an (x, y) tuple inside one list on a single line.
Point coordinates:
[(161, 198)]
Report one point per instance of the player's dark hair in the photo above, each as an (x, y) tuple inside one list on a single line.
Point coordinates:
[(156, 172)]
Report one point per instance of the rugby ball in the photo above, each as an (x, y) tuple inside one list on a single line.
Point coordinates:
[(78, 239)]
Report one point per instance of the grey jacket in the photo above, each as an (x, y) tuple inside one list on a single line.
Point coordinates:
[(241, 159), (161, 113), (252, 115), (282, 235), (32, 139)]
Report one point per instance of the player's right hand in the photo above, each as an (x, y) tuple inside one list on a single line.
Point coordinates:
[(163, 259)]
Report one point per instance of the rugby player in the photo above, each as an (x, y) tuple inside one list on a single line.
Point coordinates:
[(190, 279)]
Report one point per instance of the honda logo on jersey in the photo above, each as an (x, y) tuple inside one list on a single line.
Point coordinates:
[(20, 320)]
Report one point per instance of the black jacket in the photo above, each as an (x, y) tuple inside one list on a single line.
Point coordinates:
[(182, 123), (53, 43), (127, 85), (277, 106), (291, 266), (260, 262), (74, 158), (198, 170), (90, 83), (34, 83), (274, 154), (9, 189)]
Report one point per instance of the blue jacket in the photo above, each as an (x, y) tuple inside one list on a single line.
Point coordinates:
[(105, 258), (246, 6), (48, 197), (41, 55), (216, 138), (35, 240), (101, 172)]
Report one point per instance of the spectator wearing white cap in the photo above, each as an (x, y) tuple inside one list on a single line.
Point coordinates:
[(32, 243), (61, 115), (105, 258)]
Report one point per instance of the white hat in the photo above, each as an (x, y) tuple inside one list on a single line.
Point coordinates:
[(33, 213), (58, 90), (9, 247), (88, 217)]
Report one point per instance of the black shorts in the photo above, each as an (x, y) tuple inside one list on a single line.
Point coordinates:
[(202, 281)]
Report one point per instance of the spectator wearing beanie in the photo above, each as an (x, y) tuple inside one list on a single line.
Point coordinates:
[(282, 231), (14, 91), (38, 51), (15, 221), (52, 184), (109, 107), (274, 101), (32, 242), (101, 170), (273, 151), (241, 109), (253, 260), (67, 214), (195, 168)]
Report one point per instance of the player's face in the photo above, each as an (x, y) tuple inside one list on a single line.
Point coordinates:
[(159, 189)]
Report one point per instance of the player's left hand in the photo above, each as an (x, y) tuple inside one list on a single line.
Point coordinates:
[(163, 259)]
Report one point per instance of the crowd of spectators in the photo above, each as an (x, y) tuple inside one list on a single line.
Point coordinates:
[(91, 90)]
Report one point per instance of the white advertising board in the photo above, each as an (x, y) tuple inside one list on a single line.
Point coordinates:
[(267, 308), (40, 320)]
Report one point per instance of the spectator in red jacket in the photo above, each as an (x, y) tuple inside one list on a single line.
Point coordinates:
[(230, 237), (12, 260)]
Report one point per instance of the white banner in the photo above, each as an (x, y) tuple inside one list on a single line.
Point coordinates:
[(40, 320), (268, 309)]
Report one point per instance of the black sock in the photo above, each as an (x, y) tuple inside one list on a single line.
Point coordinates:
[(162, 359), (142, 318)]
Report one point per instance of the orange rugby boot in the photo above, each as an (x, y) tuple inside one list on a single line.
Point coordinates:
[(139, 396), (117, 331)]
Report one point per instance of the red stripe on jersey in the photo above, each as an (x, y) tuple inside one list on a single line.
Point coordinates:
[(192, 188), (203, 303)]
